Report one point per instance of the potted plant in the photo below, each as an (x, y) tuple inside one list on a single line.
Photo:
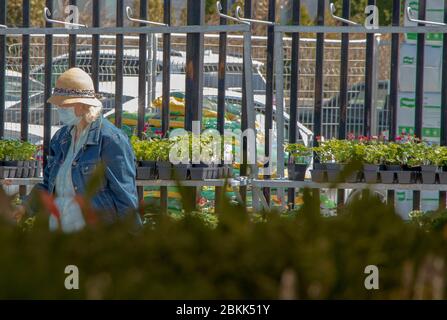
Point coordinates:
[(146, 156), (17, 159), (428, 159), (323, 156), (26, 159), (298, 160), (341, 153), (438, 159), (208, 148), (410, 161), (164, 166), (391, 162), (371, 155)]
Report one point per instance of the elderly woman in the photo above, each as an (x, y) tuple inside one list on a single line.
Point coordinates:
[(85, 140)]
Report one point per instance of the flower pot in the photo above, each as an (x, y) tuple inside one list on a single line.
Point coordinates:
[(164, 169), (333, 172), (442, 177), (32, 168), (320, 166), (20, 165), (4, 172), (11, 172), (180, 171), (407, 175), (389, 174), (318, 175), (145, 173), (25, 169), (297, 171), (228, 171), (371, 173), (38, 172), (354, 177), (428, 174), (146, 170), (202, 171), (333, 166)]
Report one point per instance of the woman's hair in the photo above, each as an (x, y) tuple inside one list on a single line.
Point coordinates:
[(93, 113)]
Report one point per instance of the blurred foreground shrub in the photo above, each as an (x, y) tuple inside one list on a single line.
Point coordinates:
[(299, 255)]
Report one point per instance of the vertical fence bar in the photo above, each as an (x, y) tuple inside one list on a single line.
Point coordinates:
[(443, 142), (142, 62), (419, 112), (72, 43), (119, 64), (269, 91), (244, 117), (319, 56), (369, 81), (194, 62), (279, 83), (344, 64), (394, 82), (318, 93), (25, 73), (394, 74), (194, 69), (3, 6), (294, 78), (221, 92), (95, 44), (47, 90), (24, 114), (166, 90)]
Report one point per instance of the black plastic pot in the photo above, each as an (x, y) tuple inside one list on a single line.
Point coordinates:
[(26, 169), (164, 169), (227, 171), (318, 174), (389, 174), (333, 172), (428, 174), (203, 171), (443, 176), (31, 168), (297, 171), (180, 171), (146, 170), (38, 171), (407, 175), (371, 173)]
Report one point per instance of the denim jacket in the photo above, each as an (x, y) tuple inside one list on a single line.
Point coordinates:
[(106, 143)]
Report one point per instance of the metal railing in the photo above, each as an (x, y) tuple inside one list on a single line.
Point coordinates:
[(333, 86)]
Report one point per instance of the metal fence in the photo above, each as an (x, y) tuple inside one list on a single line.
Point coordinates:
[(107, 71), (334, 87)]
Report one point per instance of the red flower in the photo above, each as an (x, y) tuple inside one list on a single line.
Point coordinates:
[(351, 136)]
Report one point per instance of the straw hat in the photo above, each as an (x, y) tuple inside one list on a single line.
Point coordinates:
[(74, 86)]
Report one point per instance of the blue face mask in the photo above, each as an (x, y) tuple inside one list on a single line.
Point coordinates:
[(68, 116)]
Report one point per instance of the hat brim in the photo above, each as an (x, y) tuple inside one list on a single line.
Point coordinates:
[(63, 100)]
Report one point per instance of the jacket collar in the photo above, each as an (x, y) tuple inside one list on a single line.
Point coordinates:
[(93, 132)]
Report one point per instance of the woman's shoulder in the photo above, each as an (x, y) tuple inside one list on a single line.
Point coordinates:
[(111, 133)]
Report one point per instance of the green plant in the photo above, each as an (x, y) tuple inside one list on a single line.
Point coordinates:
[(299, 152), (340, 151), (154, 149), (12, 150)]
